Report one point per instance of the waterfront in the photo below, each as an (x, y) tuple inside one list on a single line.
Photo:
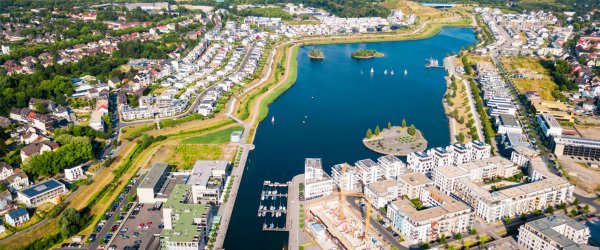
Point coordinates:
[(329, 109)]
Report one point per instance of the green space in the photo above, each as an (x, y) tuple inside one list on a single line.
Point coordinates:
[(366, 53), (218, 137), (132, 132), (316, 54), (174, 122), (187, 155)]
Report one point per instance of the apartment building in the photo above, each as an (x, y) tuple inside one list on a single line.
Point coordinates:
[(425, 162), (316, 182), (412, 184), (554, 232)]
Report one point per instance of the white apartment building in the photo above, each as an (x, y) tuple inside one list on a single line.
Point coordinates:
[(553, 233), (444, 216), (316, 182), (549, 125), (412, 184), (368, 171), (74, 173), (391, 166), (382, 192), (351, 177), (446, 177), (486, 169), (207, 181), (424, 162)]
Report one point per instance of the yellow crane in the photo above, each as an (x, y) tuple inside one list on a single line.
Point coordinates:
[(342, 195)]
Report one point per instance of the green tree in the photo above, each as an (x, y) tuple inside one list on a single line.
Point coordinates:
[(460, 138), (377, 130), (523, 216), (550, 209), (442, 239), (369, 133), (412, 130), (458, 236), (3, 186), (70, 222), (574, 212), (451, 247), (389, 125), (467, 244), (40, 107), (508, 220), (473, 231), (404, 123)]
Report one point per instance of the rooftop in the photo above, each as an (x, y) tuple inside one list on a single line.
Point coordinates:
[(41, 188), (204, 170), (415, 179), (382, 186), (546, 227), (450, 171), (183, 228), (153, 176), (508, 120)]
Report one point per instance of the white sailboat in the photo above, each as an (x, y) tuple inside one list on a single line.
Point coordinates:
[(392, 72), (273, 119), (361, 72), (405, 72), (385, 72), (372, 71)]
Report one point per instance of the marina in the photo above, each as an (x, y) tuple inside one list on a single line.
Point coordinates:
[(273, 206)]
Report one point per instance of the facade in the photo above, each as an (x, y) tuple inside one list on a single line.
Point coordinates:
[(316, 182), (554, 232), (549, 125), (17, 217), (149, 187), (444, 215), (391, 166), (208, 181), (507, 124), (41, 193), (74, 173), (577, 147), (424, 162), (490, 168), (446, 177), (350, 177)]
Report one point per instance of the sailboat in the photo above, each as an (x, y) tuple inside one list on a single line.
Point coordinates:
[(405, 72), (385, 72), (392, 72), (361, 72), (372, 71), (273, 119)]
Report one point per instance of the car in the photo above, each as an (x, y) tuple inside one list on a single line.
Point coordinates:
[(92, 237), (113, 247), (137, 242), (124, 230), (136, 234), (149, 223), (141, 225)]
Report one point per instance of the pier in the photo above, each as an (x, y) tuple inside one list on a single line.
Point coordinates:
[(273, 206)]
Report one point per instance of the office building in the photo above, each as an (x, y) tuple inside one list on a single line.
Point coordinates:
[(149, 191), (207, 181), (549, 125), (41, 193), (577, 147)]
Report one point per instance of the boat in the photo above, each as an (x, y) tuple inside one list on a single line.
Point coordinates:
[(262, 198), (263, 214), (272, 225), (265, 225), (432, 63), (259, 214), (385, 72), (405, 72), (273, 119), (361, 72), (372, 71), (392, 72)]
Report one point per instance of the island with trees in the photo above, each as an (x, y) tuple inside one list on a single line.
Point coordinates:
[(395, 140), (366, 53), (316, 54)]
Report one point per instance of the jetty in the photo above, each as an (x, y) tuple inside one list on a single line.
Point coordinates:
[(273, 206)]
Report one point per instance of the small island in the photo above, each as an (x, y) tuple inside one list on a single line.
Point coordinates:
[(366, 53), (395, 140), (316, 54)]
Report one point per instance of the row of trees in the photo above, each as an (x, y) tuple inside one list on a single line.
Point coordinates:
[(76, 150), (412, 130), (266, 12)]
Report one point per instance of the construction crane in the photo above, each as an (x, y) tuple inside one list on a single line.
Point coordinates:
[(342, 195)]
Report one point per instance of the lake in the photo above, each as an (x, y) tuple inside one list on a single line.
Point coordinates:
[(330, 107)]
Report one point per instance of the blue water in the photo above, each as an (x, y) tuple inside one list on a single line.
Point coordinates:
[(328, 111)]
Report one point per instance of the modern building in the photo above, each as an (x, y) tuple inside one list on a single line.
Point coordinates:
[(350, 176), (186, 225), (549, 125), (577, 147), (17, 217), (150, 186), (554, 232), (208, 181), (382, 192), (316, 182), (74, 173), (412, 184), (490, 168), (446, 177), (391, 166), (424, 162), (41, 193), (443, 215), (507, 124)]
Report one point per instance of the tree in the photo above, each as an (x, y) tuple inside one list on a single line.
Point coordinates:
[(508, 220), (483, 239), (460, 138), (412, 130), (442, 239), (573, 212), (70, 222), (451, 247), (586, 208), (377, 130), (40, 107), (369, 133), (389, 125), (458, 236), (576, 201), (403, 123), (467, 244), (523, 216), (550, 209), (3, 187), (473, 231)]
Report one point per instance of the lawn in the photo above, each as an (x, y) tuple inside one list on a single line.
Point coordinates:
[(187, 155), (544, 86), (218, 137), (131, 132)]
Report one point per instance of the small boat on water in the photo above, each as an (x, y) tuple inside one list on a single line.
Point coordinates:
[(405, 72), (385, 72), (273, 119), (372, 71), (392, 72), (262, 198), (361, 72)]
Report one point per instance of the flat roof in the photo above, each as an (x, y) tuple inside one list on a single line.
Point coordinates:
[(41, 188), (203, 170), (415, 179), (450, 171), (154, 174), (546, 227), (550, 121), (508, 120), (313, 163), (183, 228), (382, 186)]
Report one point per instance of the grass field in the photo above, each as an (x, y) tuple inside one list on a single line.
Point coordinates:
[(218, 137), (544, 86), (187, 155), (134, 131)]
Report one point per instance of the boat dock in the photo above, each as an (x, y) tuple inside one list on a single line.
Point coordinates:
[(273, 206)]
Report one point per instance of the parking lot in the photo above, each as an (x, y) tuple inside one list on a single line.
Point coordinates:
[(139, 228)]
